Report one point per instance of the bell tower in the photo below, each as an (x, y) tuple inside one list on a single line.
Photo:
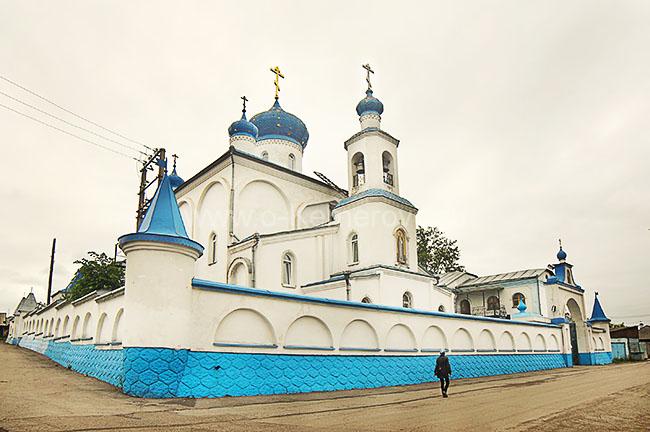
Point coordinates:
[(372, 153)]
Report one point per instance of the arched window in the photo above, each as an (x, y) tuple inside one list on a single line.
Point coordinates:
[(265, 156), (465, 307), (366, 300), (292, 161), (358, 170), (493, 303), (400, 238), (516, 298), (212, 252), (354, 249), (387, 166), (288, 276), (407, 300), (441, 308)]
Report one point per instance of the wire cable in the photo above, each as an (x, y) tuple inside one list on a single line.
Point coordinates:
[(70, 133), (72, 124), (74, 114)]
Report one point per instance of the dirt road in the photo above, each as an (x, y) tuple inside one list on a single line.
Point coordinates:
[(36, 394)]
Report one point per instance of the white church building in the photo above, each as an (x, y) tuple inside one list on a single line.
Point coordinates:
[(252, 277)]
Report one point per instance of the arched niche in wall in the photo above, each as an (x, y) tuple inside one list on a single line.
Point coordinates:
[(212, 213), (400, 338), (434, 339), (57, 329), (87, 326), (523, 343), (185, 208), (462, 341), (261, 207), (553, 345), (506, 342), (359, 335), (486, 341), (76, 330), (313, 214), (103, 333), (308, 331), (66, 321), (245, 327), (239, 272), (116, 334), (600, 344), (540, 343)]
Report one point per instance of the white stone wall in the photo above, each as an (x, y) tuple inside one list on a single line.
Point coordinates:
[(98, 320), (250, 323)]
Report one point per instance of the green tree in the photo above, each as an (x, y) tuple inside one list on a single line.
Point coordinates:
[(99, 272), (436, 253)]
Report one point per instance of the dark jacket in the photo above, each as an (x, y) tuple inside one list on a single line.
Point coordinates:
[(443, 368)]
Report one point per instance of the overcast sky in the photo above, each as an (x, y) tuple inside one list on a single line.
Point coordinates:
[(520, 121)]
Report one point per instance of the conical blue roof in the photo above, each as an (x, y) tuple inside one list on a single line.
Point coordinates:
[(163, 222), (597, 314)]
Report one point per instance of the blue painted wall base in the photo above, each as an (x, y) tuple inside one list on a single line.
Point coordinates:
[(212, 374), (167, 373), (595, 358)]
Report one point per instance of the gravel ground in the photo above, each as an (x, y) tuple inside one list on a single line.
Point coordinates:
[(36, 394)]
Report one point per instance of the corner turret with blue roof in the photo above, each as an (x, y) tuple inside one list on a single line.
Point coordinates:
[(597, 314), (163, 222)]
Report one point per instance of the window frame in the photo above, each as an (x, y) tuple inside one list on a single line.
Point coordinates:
[(498, 303), (522, 296), (212, 251), (407, 300), (288, 273), (354, 249)]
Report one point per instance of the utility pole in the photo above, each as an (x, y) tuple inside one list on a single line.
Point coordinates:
[(158, 158), (49, 281)]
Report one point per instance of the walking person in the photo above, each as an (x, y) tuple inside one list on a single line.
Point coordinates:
[(442, 371)]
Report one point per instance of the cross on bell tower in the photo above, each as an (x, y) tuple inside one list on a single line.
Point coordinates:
[(368, 72), (278, 75)]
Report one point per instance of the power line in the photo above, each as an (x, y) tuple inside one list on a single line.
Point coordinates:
[(70, 133), (74, 114), (72, 124)]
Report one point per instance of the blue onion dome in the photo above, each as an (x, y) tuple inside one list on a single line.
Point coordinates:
[(370, 105), (175, 180), (243, 127), (276, 123), (561, 255)]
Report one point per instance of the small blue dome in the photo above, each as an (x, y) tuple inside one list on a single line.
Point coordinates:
[(370, 104), (276, 123), (175, 180), (561, 255), (243, 127)]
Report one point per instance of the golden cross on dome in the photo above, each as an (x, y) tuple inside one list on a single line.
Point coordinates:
[(368, 72), (244, 99), (560, 240), (175, 156), (278, 75)]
